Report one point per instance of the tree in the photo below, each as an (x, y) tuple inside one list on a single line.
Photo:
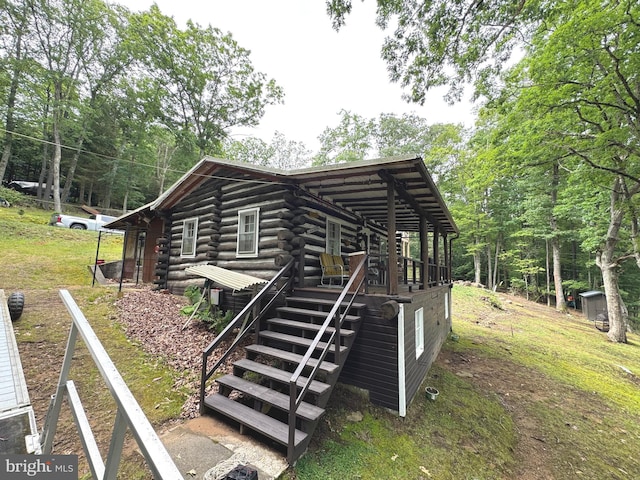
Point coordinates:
[(70, 37), (441, 42), (279, 153), (209, 81), (14, 25), (351, 140)]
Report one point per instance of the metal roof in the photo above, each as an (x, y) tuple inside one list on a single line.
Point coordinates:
[(226, 278), (591, 293), (357, 187)]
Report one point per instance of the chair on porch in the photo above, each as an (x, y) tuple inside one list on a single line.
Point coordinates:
[(333, 267)]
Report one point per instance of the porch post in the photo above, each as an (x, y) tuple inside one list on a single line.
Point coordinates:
[(424, 253), (392, 284), (436, 253)]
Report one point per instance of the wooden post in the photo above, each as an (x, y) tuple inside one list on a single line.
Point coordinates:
[(354, 260), (392, 284), (424, 253), (436, 254)]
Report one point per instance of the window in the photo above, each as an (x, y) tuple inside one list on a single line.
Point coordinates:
[(189, 232), (333, 238), (446, 305), (248, 233), (419, 328)]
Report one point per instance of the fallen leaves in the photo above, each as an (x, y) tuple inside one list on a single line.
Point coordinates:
[(153, 319)]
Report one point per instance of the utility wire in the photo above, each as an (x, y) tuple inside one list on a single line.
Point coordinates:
[(119, 159)]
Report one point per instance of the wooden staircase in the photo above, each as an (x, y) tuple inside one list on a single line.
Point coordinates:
[(257, 395)]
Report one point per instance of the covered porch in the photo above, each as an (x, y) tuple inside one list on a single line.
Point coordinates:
[(396, 216)]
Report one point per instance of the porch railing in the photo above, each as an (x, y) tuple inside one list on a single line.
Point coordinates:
[(240, 321), (411, 271), (129, 415), (334, 318)]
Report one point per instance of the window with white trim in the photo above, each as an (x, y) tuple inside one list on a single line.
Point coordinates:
[(189, 235), (446, 305), (419, 331), (248, 222), (333, 237)]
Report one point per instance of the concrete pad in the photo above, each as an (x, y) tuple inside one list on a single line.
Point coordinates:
[(206, 448)]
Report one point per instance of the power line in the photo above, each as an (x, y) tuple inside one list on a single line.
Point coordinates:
[(131, 162)]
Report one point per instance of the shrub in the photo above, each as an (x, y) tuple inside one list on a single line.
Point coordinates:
[(215, 318)]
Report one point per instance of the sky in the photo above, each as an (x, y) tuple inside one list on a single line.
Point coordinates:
[(321, 71)]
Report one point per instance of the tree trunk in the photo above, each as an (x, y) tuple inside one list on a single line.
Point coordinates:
[(609, 267), (11, 102), (547, 272), (477, 264), (557, 275), (617, 321), (495, 264), (489, 268), (72, 170), (57, 148)]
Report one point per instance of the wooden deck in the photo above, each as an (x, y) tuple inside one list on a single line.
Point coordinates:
[(17, 420)]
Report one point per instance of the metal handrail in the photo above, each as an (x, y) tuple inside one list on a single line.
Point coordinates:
[(246, 327), (128, 414), (355, 283)]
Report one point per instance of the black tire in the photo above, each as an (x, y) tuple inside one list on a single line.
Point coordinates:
[(15, 304), (78, 226)]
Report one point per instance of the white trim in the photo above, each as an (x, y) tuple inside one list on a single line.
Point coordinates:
[(447, 299), (331, 220), (402, 387), (195, 237), (418, 326), (254, 252)]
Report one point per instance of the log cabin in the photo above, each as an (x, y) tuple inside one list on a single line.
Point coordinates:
[(256, 236)]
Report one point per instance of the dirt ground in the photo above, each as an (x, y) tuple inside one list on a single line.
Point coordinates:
[(517, 388)]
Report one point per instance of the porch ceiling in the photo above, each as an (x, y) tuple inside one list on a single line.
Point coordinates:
[(361, 187)]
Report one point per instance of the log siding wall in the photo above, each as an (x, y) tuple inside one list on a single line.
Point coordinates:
[(216, 204)]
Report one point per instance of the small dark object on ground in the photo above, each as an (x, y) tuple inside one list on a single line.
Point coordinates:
[(15, 304), (602, 322), (242, 472)]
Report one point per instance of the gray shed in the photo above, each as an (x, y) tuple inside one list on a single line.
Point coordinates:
[(593, 303)]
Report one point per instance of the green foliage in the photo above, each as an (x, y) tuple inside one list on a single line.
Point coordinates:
[(16, 198), (208, 80), (211, 315), (279, 153)]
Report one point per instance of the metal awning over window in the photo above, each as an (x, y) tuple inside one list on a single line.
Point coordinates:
[(227, 278)]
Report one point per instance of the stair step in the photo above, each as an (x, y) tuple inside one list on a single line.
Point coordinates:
[(290, 357), (306, 411), (314, 327), (294, 340), (322, 302), (316, 387), (254, 420), (315, 313)]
